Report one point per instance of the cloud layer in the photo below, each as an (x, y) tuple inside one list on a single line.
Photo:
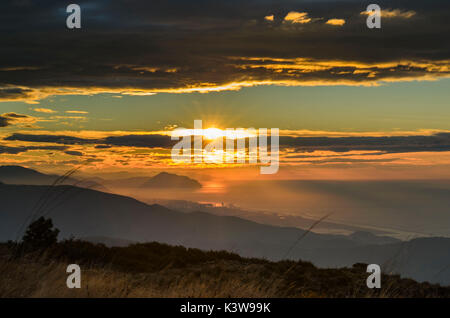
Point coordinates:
[(382, 144), (187, 46), (9, 119)]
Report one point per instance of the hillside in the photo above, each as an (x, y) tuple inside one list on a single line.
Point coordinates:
[(158, 270), (22, 175), (88, 213), (169, 180), (163, 180)]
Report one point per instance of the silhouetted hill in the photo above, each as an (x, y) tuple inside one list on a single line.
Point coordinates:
[(361, 234), (159, 270), (22, 175), (169, 180), (88, 213), (368, 238), (424, 259), (162, 181)]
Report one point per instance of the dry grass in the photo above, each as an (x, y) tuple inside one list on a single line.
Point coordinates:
[(159, 270), (25, 279)]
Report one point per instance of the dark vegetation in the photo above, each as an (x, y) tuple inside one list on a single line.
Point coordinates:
[(295, 279), (40, 235)]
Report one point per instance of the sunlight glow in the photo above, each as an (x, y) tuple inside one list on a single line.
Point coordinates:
[(214, 133)]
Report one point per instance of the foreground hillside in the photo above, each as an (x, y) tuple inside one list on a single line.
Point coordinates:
[(86, 213), (158, 270)]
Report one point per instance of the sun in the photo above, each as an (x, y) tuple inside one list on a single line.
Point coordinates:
[(213, 133)]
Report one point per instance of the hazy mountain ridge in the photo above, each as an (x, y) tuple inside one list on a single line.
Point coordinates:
[(169, 180), (22, 175), (84, 212), (163, 180), (88, 213), (283, 220)]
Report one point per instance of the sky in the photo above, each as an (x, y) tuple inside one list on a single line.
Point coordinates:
[(350, 102)]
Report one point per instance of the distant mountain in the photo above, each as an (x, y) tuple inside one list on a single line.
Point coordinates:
[(362, 234), (163, 180), (368, 238), (169, 180), (22, 175), (423, 259), (88, 213)]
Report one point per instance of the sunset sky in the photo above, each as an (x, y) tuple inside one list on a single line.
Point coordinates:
[(350, 102)]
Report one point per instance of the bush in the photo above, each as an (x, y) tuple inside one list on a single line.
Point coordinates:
[(40, 235)]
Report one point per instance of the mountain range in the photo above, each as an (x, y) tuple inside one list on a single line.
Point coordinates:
[(163, 180), (22, 175), (85, 213)]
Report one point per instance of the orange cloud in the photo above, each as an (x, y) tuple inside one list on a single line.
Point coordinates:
[(297, 17), (44, 110), (393, 13), (9, 119), (76, 112), (336, 22), (261, 71)]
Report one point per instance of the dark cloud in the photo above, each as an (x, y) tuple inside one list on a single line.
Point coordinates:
[(384, 144), (14, 93), (14, 116), (302, 156), (17, 150), (397, 144), (57, 139), (187, 45), (3, 122), (345, 160), (146, 141), (73, 153), (150, 141), (8, 119)]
